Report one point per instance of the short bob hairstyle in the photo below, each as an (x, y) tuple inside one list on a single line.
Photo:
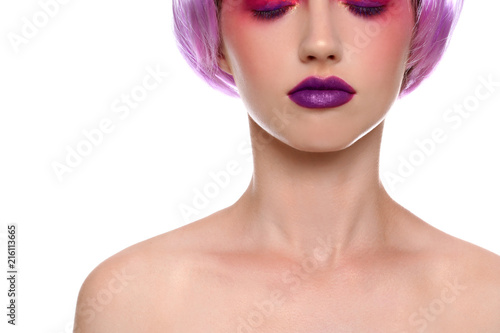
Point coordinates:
[(197, 33)]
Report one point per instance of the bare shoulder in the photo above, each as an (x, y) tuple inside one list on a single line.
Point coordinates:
[(120, 293), (472, 262), (462, 279), (473, 279), (482, 269)]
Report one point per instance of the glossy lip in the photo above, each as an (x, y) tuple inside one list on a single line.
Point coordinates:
[(314, 92)]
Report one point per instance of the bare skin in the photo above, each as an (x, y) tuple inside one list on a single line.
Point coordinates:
[(184, 281), (315, 244), (220, 274)]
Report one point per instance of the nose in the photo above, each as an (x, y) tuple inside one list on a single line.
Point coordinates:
[(321, 39)]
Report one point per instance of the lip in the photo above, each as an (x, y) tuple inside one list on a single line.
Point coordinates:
[(314, 92)]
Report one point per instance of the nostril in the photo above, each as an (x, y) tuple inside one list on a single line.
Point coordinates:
[(310, 57)]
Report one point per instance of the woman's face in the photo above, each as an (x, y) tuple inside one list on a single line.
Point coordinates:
[(363, 42)]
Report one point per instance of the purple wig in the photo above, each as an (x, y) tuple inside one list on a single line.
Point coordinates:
[(197, 32)]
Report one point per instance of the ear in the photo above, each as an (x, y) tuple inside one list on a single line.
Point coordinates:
[(223, 61)]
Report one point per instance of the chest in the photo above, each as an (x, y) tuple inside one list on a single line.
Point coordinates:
[(392, 307), (265, 298)]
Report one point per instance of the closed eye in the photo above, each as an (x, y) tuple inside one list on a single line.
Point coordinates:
[(271, 14), (365, 11)]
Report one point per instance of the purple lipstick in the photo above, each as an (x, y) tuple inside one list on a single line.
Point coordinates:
[(314, 92)]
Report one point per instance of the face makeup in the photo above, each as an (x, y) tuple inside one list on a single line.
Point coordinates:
[(314, 92), (366, 8), (270, 10)]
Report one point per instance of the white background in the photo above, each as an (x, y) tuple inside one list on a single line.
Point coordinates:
[(132, 185)]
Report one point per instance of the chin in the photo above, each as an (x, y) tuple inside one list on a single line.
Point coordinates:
[(320, 144)]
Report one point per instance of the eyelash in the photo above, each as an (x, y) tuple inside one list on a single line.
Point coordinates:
[(356, 10), (366, 11), (271, 14)]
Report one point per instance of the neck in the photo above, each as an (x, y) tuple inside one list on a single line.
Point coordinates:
[(297, 200)]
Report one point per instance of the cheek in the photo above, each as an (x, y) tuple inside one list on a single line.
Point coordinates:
[(383, 63), (256, 71), (388, 57), (381, 44), (259, 53)]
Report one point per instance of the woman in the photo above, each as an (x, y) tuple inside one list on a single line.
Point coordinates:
[(315, 244)]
